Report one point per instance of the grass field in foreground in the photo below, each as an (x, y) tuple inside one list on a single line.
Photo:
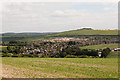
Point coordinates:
[(100, 46), (60, 67)]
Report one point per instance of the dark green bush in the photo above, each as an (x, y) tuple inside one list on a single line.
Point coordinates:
[(83, 56), (70, 56)]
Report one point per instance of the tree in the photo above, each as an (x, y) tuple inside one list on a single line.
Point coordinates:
[(105, 52), (13, 42), (62, 54), (71, 43)]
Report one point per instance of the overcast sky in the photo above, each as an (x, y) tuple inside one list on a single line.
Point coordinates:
[(58, 16)]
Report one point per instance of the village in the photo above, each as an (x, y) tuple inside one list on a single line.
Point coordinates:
[(59, 46)]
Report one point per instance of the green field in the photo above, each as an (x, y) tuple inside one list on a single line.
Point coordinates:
[(88, 32), (100, 46), (2, 47), (41, 36), (113, 55), (60, 67)]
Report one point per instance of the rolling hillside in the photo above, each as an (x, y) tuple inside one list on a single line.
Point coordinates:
[(72, 33), (103, 46), (23, 36), (100, 46), (87, 32)]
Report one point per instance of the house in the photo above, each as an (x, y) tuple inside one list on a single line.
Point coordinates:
[(118, 49)]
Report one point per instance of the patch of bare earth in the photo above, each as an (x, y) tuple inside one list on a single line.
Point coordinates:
[(9, 71)]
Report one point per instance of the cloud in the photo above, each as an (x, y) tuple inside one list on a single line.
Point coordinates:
[(60, 0), (68, 13), (107, 9), (40, 17), (77, 19), (110, 9)]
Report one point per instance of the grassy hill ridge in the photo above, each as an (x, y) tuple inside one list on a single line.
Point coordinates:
[(87, 32), (72, 33)]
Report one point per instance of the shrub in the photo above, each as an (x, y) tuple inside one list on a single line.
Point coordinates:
[(43, 56), (14, 56), (5, 55), (105, 52), (27, 55), (70, 56), (91, 56), (83, 56), (35, 55)]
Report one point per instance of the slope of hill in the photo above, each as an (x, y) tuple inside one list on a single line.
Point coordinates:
[(100, 46), (103, 46), (23, 36), (87, 32), (113, 55), (72, 33)]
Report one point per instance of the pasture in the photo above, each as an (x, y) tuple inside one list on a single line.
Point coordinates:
[(43, 36), (103, 46), (59, 67), (1, 49), (87, 32), (113, 55), (100, 46)]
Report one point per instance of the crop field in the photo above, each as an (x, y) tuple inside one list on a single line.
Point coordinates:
[(42, 36), (2, 47), (113, 55), (59, 67), (88, 32), (100, 46)]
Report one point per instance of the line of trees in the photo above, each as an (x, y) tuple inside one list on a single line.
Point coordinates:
[(75, 52)]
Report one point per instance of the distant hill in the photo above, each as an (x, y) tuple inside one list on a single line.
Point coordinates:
[(100, 46), (72, 33), (23, 36), (87, 32)]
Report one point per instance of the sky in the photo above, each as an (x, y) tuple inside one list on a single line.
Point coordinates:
[(58, 16)]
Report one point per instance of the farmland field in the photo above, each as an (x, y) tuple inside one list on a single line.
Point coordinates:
[(103, 46), (100, 46), (1, 48), (88, 32), (113, 55), (60, 67), (42, 36)]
